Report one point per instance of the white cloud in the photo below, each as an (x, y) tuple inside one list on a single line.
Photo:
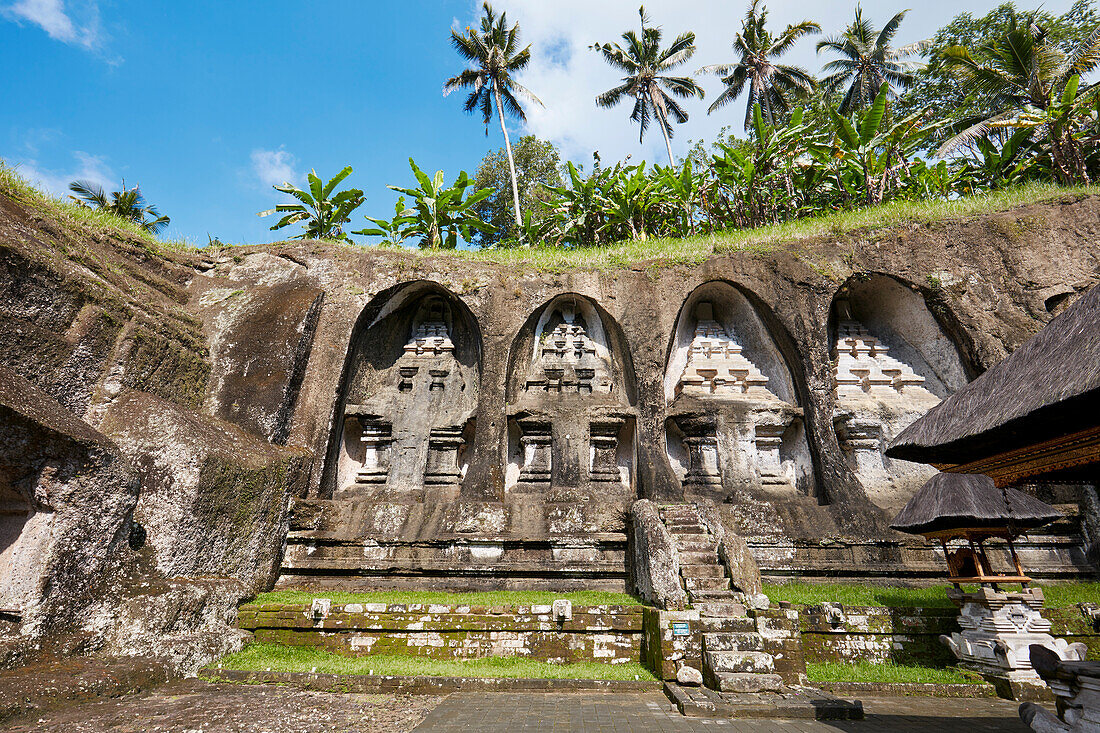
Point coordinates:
[(52, 17), (88, 167), (273, 167), (567, 75)]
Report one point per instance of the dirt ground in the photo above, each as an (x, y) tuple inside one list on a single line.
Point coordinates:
[(193, 706)]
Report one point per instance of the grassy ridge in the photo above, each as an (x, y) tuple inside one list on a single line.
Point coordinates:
[(888, 673), (1057, 596), (657, 252), (494, 598), (280, 658)]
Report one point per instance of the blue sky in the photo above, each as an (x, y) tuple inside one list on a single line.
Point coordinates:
[(206, 104)]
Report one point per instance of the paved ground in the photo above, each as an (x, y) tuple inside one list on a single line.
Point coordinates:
[(190, 706), (652, 713)]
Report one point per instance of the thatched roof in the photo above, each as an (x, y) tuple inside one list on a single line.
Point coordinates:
[(970, 501), (1048, 388)]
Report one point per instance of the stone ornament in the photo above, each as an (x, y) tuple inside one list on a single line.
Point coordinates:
[(567, 360), (715, 363), (997, 630), (864, 367)]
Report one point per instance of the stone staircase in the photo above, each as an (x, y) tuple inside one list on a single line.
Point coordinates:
[(734, 656)]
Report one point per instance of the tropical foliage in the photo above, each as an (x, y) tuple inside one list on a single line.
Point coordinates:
[(537, 166), (439, 215), (496, 57), (322, 209), (646, 66), (771, 85), (128, 204)]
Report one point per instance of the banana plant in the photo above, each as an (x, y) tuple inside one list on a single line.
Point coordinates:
[(1061, 121), (876, 149), (684, 188), (393, 231), (440, 214), (577, 212), (323, 212)]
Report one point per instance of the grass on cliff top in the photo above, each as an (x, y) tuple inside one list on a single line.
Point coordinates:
[(888, 673), (1057, 596), (761, 240), (282, 658), (443, 598), (72, 215)]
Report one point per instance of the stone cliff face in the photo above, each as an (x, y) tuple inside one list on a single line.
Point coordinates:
[(329, 415)]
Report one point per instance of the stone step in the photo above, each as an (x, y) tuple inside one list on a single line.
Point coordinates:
[(747, 682), (696, 543), (703, 571), (721, 609), (754, 662), (711, 583), (682, 528), (727, 624), (714, 595), (692, 557), (749, 641)]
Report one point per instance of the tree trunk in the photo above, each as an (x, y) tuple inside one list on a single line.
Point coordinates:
[(511, 161), (663, 119)]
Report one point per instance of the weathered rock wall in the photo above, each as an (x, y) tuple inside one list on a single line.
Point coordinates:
[(201, 392)]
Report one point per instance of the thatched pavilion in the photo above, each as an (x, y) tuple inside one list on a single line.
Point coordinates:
[(1034, 416)]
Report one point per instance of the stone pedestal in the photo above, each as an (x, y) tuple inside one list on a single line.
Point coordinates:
[(997, 629), (376, 439), (769, 438), (603, 450), (536, 444), (443, 468)]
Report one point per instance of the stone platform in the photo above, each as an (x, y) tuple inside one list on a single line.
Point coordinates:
[(792, 703)]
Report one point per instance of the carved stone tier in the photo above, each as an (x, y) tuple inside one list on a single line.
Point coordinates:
[(715, 363), (568, 361), (376, 439), (536, 444), (701, 444), (443, 468), (604, 450), (997, 629), (431, 337), (863, 366)]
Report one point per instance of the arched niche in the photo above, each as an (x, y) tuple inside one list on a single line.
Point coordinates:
[(897, 315), (571, 393), (734, 421), (892, 362), (406, 410)]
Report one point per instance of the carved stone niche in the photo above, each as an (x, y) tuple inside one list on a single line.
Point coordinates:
[(410, 400), (567, 359)]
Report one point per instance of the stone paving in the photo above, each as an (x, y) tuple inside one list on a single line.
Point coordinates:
[(192, 706), (652, 713)]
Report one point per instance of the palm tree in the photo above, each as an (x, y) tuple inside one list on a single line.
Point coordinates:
[(645, 64), (769, 83), (1034, 84), (868, 61), (495, 53), (128, 204)]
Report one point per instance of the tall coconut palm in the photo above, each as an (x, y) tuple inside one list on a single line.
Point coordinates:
[(645, 64), (770, 84), (868, 61), (494, 51), (129, 203), (1035, 85)]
